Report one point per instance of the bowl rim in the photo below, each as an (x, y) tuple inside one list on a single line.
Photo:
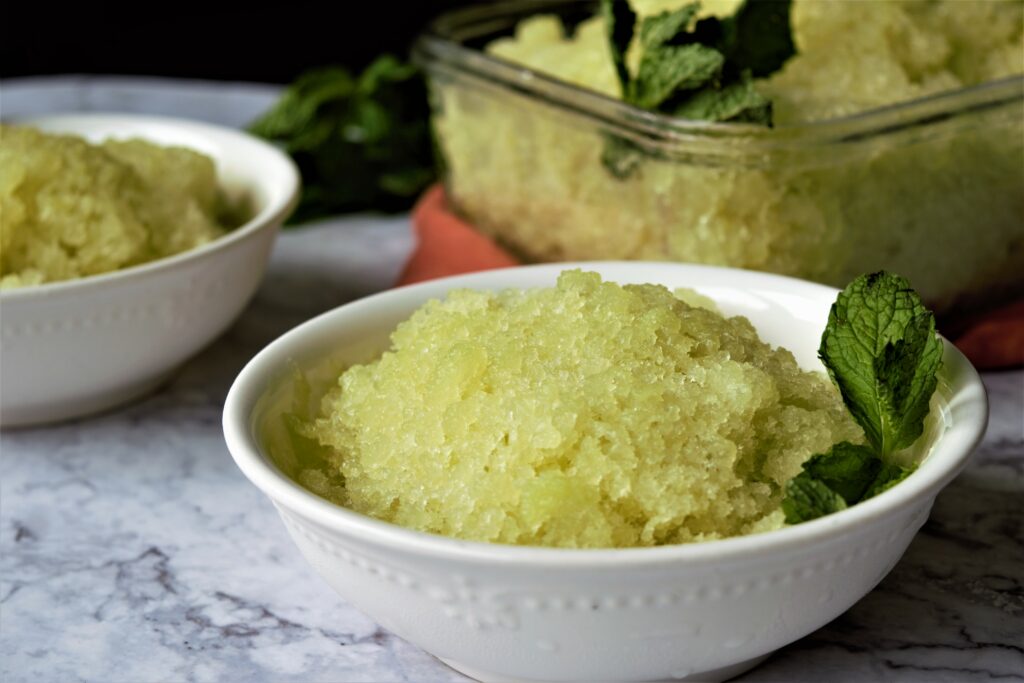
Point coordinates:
[(948, 457), (273, 213)]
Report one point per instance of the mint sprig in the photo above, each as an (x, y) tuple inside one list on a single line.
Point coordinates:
[(881, 351), (673, 68), (848, 469), (807, 499), (360, 141), (700, 71)]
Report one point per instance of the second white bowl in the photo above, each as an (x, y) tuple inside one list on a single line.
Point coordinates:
[(79, 346)]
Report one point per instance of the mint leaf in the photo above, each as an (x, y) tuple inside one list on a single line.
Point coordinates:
[(848, 474), (619, 24), (738, 102), (807, 498), (847, 469), (666, 27), (384, 70), (678, 63), (672, 63), (294, 116), (881, 351), (888, 476), (666, 70), (359, 142)]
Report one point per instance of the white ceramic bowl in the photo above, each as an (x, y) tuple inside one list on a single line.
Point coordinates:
[(703, 611), (79, 346)]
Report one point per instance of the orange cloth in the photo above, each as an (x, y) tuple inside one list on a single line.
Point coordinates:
[(447, 245), (996, 341)]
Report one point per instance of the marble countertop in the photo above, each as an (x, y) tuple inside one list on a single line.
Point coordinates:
[(133, 550)]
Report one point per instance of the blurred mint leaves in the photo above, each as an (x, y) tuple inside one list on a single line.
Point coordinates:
[(360, 142), (882, 353)]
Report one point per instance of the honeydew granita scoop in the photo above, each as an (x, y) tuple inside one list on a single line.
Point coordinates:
[(588, 414)]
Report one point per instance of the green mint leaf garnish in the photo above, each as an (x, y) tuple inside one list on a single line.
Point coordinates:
[(701, 72), (807, 498), (881, 351), (847, 469), (738, 102), (668, 69), (359, 142), (888, 476), (666, 27), (619, 24)]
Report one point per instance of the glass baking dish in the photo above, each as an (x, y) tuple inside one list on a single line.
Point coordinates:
[(931, 188)]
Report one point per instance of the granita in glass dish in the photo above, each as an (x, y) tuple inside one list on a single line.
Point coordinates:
[(889, 137)]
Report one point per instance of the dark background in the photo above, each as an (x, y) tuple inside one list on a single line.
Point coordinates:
[(213, 41)]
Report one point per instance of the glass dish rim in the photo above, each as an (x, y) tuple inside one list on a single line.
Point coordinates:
[(439, 46)]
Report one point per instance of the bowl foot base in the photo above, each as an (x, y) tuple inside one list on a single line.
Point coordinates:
[(713, 676)]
